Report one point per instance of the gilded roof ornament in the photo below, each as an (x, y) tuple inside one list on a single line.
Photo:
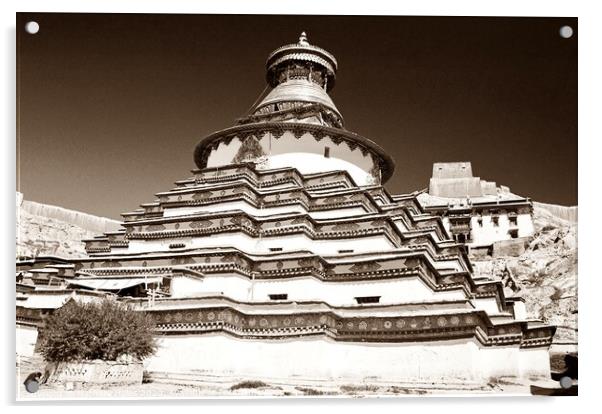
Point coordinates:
[(303, 39)]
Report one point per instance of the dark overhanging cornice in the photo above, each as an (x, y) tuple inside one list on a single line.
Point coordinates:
[(386, 162)]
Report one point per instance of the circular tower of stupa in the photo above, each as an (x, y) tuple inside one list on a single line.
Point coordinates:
[(296, 124)]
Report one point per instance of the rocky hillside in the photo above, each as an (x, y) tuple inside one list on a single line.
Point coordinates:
[(546, 273), (49, 230)]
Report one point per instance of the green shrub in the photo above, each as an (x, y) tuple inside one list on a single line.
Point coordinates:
[(104, 330)]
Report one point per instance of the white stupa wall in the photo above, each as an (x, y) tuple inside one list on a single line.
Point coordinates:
[(264, 244), (441, 362), (243, 289), (284, 152), (288, 243), (309, 163), (520, 310), (26, 338), (489, 305)]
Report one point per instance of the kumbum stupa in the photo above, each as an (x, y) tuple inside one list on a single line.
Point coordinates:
[(283, 256)]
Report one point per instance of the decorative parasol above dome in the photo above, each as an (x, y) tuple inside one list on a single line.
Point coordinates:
[(300, 76), (301, 58)]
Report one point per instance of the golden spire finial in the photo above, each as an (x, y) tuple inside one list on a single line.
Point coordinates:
[(303, 39)]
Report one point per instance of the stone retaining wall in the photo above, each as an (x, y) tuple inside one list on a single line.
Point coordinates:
[(97, 372)]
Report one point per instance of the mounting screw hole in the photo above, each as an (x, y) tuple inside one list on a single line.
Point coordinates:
[(566, 382), (32, 27), (566, 31)]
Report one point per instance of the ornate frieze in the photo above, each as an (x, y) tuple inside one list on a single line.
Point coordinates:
[(347, 227), (281, 197), (182, 260), (155, 227), (201, 224), (290, 268), (111, 264), (373, 329), (363, 267)]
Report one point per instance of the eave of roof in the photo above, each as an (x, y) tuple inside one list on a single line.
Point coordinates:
[(387, 163)]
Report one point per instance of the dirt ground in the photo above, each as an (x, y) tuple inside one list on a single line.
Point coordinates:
[(164, 387)]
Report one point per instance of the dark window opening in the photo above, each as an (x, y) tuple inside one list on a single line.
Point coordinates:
[(367, 299), (346, 251), (279, 296), (513, 220), (275, 249), (513, 234), (326, 152), (480, 222), (495, 220)]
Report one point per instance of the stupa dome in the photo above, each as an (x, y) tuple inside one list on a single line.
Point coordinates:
[(295, 93)]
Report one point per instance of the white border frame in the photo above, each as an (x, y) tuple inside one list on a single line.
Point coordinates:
[(590, 134)]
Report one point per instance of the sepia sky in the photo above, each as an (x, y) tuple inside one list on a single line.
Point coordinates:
[(111, 106)]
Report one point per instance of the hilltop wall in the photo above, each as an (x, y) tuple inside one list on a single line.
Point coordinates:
[(86, 221), (50, 230), (567, 213)]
